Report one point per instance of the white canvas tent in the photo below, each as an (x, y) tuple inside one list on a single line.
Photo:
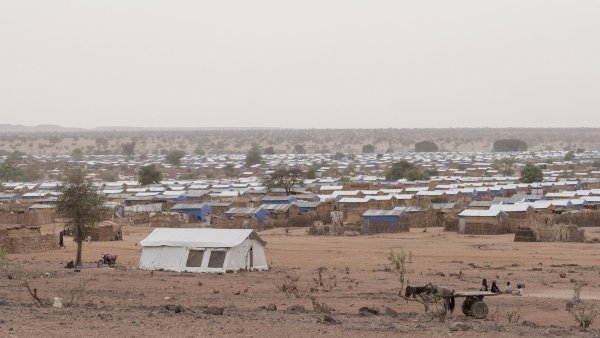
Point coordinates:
[(203, 250)]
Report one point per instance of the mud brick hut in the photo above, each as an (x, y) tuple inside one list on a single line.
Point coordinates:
[(519, 215), (381, 221), (106, 231), (483, 222), (18, 238)]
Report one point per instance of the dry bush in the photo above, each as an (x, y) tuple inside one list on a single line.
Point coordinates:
[(513, 316), (75, 294), (289, 287), (583, 313), (321, 307), (325, 281)]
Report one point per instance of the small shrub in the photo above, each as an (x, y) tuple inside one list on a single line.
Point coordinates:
[(513, 317)]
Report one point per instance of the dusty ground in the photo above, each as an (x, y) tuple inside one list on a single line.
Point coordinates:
[(126, 302)]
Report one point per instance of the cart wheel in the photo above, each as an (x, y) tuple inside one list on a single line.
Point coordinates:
[(479, 310), (466, 307), (100, 263)]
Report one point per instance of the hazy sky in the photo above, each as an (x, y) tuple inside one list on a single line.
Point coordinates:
[(316, 64)]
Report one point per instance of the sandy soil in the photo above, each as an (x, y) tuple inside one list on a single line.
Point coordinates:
[(127, 302)]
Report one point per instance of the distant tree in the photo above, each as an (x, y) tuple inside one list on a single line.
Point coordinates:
[(108, 176), (580, 150), (505, 166), (299, 149), (426, 146), (149, 175), (33, 171), (379, 156), (407, 170), (368, 148), (10, 172), (506, 145), (531, 173), (338, 156), (77, 154), (416, 175), (569, 156), (128, 148), (199, 150), (311, 173), (174, 156), (253, 156), (269, 151), (283, 178), (101, 142), (229, 170), (80, 206)]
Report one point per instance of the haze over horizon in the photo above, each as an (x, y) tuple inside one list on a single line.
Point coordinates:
[(312, 64)]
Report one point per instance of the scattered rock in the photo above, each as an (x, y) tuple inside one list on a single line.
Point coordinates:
[(460, 326), (174, 308), (295, 309), (367, 311), (536, 268), (214, 310), (529, 324), (439, 273), (105, 316), (390, 312), (514, 265), (57, 302), (328, 320), (270, 307), (562, 275)]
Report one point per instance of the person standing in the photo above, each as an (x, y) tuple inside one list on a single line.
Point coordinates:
[(484, 285)]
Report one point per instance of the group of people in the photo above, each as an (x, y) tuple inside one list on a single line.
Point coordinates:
[(495, 289)]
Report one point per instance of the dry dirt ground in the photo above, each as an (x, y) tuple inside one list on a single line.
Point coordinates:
[(127, 302)]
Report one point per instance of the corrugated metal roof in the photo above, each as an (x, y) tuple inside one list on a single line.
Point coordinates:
[(479, 213), (376, 213)]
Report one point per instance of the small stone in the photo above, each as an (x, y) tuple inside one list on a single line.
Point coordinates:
[(295, 309), (271, 307), (390, 312), (529, 324), (439, 273), (367, 311), (328, 320), (563, 275), (460, 326), (214, 310)]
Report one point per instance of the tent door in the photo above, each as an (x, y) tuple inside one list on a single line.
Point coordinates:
[(250, 259)]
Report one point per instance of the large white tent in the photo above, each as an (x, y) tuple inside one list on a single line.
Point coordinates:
[(203, 250)]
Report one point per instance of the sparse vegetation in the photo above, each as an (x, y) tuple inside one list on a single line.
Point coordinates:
[(80, 206), (149, 175), (509, 145), (426, 146), (531, 173), (253, 156)]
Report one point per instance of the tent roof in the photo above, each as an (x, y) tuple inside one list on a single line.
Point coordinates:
[(199, 238)]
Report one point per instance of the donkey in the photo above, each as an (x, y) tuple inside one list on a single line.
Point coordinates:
[(443, 292), (415, 291)]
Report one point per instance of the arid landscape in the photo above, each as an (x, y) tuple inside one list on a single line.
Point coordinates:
[(126, 301)]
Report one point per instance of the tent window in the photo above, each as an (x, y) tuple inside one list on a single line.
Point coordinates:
[(194, 259), (217, 259)]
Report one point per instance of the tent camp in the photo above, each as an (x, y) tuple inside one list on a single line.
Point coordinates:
[(203, 250)]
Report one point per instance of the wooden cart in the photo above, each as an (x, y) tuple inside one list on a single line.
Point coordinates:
[(473, 305)]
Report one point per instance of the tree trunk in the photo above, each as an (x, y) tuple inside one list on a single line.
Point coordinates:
[(79, 247)]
